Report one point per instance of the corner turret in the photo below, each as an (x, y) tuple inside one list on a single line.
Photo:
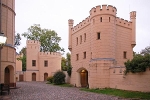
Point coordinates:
[(133, 20), (70, 24)]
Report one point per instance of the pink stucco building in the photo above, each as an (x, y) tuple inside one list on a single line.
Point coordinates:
[(99, 45), (40, 65), (8, 52)]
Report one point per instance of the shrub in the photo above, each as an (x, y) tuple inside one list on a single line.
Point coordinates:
[(138, 64), (50, 79), (59, 78)]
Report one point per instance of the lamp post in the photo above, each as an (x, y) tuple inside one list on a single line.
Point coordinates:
[(2, 42)]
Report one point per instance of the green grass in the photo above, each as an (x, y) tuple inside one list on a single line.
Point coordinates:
[(120, 93)]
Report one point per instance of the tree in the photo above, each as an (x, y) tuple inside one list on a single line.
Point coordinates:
[(63, 64), (48, 38), (17, 40), (146, 50), (69, 67)]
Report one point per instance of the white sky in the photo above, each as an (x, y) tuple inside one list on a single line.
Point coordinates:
[(54, 15)]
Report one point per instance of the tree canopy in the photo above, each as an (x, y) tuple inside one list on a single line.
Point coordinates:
[(146, 50), (138, 64), (49, 39), (66, 64)]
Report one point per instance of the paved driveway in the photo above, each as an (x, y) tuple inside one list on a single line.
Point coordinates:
[(42, 91)]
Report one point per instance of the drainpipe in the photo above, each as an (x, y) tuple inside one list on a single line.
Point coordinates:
[(0, 32)]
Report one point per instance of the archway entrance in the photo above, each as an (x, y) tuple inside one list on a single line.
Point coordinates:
[(45, 76), (33, 76), (7, 76), (84, 78)]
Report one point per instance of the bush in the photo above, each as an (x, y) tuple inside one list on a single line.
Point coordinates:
[(59, 78), (138, 64), (50, 79)]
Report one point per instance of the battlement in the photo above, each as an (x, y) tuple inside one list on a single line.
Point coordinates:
[(57, 54), (133, 14), (123, 23), (81, 25), (104, 9), (70, 22), (32, 42)]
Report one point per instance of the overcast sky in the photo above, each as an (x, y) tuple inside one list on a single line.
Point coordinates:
[(54, 15)]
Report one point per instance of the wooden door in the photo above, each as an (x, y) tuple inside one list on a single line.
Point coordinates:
[(7, 76), (20, 77), (45, 76), (33, 76), (84, 79)]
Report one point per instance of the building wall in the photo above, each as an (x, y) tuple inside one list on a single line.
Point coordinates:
[(133, 82), (18, 67), (8, 52), (18, 63), (105, 53), (33, 53)]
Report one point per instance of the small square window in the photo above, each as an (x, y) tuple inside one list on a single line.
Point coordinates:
[(80, 39), (124, 54), (33, 62), (77, 40), (84, 55), (77, 56), (45, 63), (100, 19), (84, 37), (98, 35)]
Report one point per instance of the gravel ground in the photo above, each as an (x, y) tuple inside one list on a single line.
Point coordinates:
[(43, 91)]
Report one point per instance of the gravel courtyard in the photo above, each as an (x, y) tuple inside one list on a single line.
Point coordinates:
[(43, 91)]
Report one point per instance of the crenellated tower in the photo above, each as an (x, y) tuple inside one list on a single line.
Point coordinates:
[(133, 20), (34, 47), (70, 24), (100, 42), (8, 53), (103, 31)]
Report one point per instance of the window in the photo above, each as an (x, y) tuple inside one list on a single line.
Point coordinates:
[(84, 55), (84, 37), (100, 19), (45, 63), (109, 19), (98, 35), (77, 56), (33, 62), (80, 39), (77, 40), (124, 54)]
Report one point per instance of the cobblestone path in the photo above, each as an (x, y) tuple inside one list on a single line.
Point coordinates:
[(43, 91)]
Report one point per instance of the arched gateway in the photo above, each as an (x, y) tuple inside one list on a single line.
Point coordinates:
[(9, 76), (83, 77)]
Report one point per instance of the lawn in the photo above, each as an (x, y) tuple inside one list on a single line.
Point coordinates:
[(120, 93)]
